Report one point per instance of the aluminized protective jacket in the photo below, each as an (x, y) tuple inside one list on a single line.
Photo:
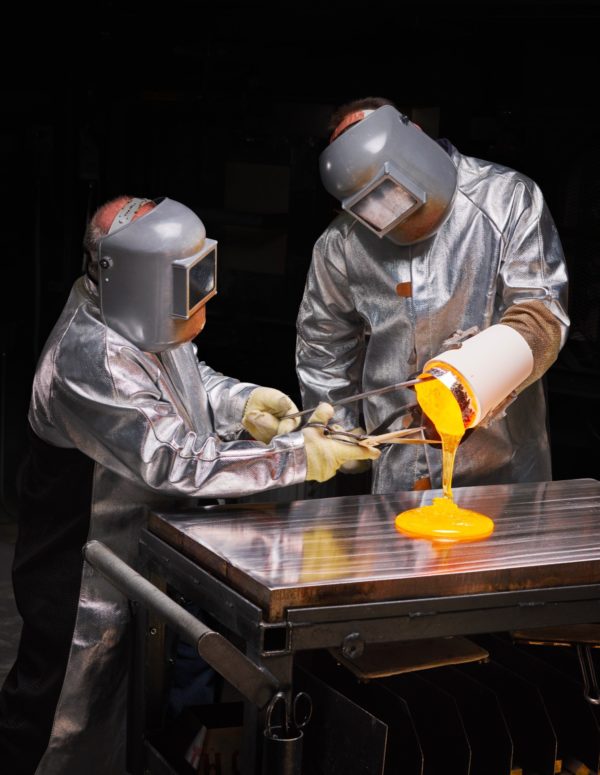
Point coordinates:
[(374, 312), (155, 427)]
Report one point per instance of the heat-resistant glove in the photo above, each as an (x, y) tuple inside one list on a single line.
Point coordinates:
[(356, 466), (324, 454), (542, 332), (263, 412)]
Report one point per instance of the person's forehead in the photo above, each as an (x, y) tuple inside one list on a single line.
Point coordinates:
[(107, 214), (351, 118)]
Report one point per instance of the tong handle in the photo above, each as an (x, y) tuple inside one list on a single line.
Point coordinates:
[(396, 437), (366, 394)]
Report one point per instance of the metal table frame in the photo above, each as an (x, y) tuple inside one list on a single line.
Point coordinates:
[(272, 645)]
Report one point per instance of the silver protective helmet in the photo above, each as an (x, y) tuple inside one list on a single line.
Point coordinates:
[(155, 274), (389, 175)]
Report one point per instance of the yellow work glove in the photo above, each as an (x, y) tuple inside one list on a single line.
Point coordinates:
[(263, 412), (325, 455), (356, 466)]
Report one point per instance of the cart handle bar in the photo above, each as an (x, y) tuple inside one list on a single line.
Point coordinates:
[(253, 682)]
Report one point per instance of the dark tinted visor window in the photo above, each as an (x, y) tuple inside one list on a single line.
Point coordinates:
[(384, 204), (202, 279)]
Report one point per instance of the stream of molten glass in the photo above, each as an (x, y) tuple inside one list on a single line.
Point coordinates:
[(443, 519)]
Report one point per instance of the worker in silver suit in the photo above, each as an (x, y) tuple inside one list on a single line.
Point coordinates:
[(123, 417), (429, 244)]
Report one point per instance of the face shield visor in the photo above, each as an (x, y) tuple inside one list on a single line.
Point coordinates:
[(390, 176), (155, 276)]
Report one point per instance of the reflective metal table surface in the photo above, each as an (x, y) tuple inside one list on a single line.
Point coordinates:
[(347, 550)]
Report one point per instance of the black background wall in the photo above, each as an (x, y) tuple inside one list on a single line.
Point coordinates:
[(225, 109)]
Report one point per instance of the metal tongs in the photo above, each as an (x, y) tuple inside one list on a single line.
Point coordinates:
[(366, 394), (366, 440)]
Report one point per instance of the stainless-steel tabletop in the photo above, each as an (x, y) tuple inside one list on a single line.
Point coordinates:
[(347, 550)]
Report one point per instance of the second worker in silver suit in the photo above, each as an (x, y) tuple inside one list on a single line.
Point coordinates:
[(429, 243), (124, 417)]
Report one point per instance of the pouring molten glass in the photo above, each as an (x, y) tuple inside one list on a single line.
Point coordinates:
[(471, 385)]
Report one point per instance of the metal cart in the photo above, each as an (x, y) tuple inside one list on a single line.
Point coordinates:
[(335, 574)]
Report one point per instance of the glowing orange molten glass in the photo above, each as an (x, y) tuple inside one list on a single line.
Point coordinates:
[(443, 520)]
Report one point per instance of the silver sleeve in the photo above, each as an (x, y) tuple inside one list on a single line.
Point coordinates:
[(533, 265), (227, 398), (130, 420)]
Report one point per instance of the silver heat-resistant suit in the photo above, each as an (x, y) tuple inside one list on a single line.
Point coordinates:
[(115, 430), (499, 247)]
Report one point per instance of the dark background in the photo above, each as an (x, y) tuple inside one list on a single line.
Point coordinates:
[(226, 110)]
